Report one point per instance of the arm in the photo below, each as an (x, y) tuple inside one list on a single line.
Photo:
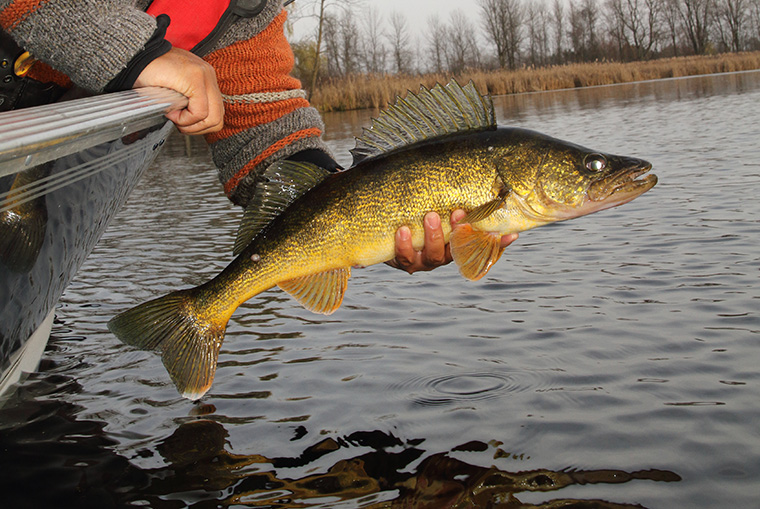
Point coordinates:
[(266, 114), (90, 41), (109, 45)]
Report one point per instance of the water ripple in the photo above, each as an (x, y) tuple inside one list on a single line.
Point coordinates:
[(437, 389)]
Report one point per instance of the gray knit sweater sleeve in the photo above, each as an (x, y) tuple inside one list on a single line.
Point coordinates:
[(267, 116), (91, 41)]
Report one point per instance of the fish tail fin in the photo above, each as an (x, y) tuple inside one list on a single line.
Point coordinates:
[(187, 341)]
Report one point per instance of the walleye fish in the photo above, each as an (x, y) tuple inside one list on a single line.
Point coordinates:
[(437, 150)]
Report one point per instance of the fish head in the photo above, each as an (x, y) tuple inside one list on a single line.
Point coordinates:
[(552, 180)]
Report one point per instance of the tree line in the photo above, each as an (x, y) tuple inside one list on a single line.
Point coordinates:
[(353, 38)]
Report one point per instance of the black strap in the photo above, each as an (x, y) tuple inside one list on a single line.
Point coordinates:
[(154, 48), (19, 91)]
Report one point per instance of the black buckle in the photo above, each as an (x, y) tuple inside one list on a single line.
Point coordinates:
[(16, 90)]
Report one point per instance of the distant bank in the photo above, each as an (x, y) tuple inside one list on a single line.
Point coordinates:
[(376, 91)]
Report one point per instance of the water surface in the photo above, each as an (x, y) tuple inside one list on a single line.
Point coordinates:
[(611, 360)]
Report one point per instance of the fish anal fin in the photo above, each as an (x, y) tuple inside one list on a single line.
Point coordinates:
[(321, 292), (474, 251)]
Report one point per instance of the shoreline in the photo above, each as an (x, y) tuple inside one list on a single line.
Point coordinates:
[(377, 91)]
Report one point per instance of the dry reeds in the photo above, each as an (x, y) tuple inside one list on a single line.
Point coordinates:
[(377, 91)]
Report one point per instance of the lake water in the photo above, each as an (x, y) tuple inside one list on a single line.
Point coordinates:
[(609, 361)]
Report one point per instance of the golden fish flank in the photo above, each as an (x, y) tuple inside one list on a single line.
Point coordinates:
[(437, 150)]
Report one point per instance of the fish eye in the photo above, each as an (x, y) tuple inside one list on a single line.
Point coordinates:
[(595, 162)]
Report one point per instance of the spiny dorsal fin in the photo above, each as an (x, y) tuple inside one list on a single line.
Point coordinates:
[(425, 115), (279, 185), (320, 293), (474, 251)]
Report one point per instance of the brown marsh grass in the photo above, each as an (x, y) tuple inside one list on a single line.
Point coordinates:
[(377, 91)]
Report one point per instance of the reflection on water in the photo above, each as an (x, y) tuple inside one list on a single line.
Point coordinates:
[(390, 472), (23, 221), (378, 478), (598, 362)]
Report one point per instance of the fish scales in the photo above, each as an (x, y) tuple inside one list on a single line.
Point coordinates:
[(365, 206)]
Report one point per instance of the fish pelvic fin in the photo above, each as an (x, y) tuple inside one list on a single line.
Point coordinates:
[(474, 251), (188, 344), (319, 293)]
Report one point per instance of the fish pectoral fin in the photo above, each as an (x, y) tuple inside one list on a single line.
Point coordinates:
[(474, 251), (485, 210), (321, 292)]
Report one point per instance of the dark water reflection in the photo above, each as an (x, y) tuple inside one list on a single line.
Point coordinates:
[(610, 361), (81, 470)]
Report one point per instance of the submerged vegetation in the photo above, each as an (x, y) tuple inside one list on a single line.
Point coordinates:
[(378, 90)]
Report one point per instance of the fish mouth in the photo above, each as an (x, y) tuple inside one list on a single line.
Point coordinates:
[(621, 186)]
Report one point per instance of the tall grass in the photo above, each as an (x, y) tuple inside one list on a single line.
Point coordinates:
[(377, 91)]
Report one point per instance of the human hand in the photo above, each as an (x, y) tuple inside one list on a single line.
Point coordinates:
[(434, 253), (194, 78)]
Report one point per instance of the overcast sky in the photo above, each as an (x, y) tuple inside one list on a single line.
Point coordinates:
[(416, 12)]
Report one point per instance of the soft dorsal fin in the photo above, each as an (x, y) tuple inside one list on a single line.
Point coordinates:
[(279, 185), (425, 115), (320, 293)]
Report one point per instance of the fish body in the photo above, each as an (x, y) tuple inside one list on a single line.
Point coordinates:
[(508, 180)]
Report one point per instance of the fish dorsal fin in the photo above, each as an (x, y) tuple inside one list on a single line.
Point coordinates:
[(428, 114), (474, 251), (320, 293), (282, 183)]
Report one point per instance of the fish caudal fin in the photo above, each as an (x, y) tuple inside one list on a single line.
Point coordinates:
[(188, 343), (474, 251)]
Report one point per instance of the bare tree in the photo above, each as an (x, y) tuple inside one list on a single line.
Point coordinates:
[(590, 14), (349, 43), (331, 44), (463, 48), (577, 31), (672, 19), (372, 42), (558, 19), (319, 10), (504, 21), (437, 38), (695, 18), (731, 16), (537, 18), (754, 16), (398, 37), (636, 24)]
